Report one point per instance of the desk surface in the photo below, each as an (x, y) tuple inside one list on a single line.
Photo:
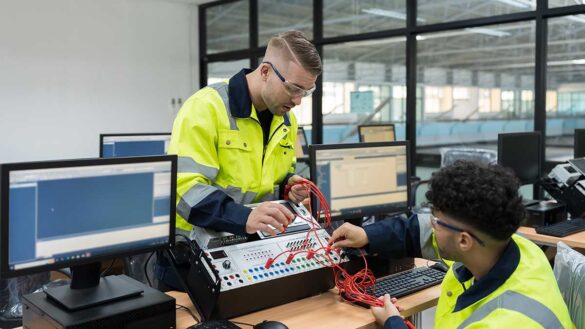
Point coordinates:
[(325, 309), (576, 240)]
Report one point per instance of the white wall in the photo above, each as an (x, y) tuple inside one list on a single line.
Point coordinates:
[(72, 69)]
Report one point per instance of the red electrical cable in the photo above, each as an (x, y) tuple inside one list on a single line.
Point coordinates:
[(352, 288)]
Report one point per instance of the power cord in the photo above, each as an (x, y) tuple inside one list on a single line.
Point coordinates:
[(182, 307), (108, 269), (242, 323), (146, 267)]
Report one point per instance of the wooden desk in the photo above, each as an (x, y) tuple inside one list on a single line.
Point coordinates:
[(576, 240), (323, 311)]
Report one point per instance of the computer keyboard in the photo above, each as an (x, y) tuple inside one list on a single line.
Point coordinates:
[(214, 324), (407, 282), (563, 228)]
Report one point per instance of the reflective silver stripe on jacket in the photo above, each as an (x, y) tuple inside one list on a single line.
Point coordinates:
[(188, 165), (237, 194), (426, 236), (192, 197), (513, 301), (222, 90)]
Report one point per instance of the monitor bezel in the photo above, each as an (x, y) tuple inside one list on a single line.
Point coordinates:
[(502, 136), (360, 127), (579, 144), (125, 135), (313, 148), (5, 170)]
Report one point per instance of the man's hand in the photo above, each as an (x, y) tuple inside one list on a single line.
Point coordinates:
[(348, 236), (383, 313), (297, 193), (269, 213)]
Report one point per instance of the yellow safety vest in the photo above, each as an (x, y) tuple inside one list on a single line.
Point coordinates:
[(219, 151), (529, 298)]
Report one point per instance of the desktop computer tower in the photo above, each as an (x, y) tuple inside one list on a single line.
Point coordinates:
[(153, 309)]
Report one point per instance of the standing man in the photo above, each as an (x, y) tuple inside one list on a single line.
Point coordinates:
[(498, 280), (235, 141)]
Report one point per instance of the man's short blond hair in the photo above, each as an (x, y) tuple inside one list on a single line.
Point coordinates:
[(299, 49)]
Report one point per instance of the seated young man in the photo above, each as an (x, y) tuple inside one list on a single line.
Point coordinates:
[(497, 279)]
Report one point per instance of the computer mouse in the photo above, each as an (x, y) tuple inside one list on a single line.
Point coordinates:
[(440, 266), (270, 325)]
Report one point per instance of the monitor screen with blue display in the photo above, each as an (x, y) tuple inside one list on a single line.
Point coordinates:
[(58, 214), (126, 145), (362, 179)]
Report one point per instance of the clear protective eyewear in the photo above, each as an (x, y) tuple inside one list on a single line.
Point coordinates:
[(290, 88), (436, 221)]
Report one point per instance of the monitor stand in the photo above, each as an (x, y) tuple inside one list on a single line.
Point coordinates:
[(88, 289)]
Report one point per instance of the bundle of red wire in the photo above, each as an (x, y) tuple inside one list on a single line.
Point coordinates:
[(351, 287)]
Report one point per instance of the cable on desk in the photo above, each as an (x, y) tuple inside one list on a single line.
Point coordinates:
[(145, 269), (242, 323), (108, 269), (182, 307)]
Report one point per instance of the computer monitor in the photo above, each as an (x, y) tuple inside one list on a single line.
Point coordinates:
[(362, 179), (302, 146), (77, 213), (521, 152), (127, 145), (579, 146), (377, 133)]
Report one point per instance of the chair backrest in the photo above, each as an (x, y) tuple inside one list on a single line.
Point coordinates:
[(570, 274), (451, 154)]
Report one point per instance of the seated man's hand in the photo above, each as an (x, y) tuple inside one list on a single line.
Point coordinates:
[(348, 236), (269, 213), (297, 193), (383, 313)]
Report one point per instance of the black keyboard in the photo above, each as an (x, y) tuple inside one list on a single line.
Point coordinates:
[(214, 324), (407, 282), (563, 228)]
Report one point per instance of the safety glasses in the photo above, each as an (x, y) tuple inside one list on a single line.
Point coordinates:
[(291, 89)]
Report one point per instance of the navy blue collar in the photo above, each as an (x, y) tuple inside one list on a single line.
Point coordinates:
[(239, 96), (496, 276)]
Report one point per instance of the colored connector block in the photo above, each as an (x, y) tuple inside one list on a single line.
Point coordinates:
[(290, 258), (269, 263)]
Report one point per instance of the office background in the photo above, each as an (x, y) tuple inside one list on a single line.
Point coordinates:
[(446, 72)]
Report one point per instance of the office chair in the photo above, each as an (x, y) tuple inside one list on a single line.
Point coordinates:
[(451, 154), (569, 271), (448, 156), (11, 291)]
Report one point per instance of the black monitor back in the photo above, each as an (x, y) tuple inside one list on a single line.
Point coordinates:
[(579, 149), (521, 152)]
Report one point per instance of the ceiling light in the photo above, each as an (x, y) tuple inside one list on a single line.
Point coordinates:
[(491, 32), (389, 13), (578, 61), (577, 18), (517, 3)]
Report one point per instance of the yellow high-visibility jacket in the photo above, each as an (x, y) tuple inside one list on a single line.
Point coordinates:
[(520, 291), (222, 160)]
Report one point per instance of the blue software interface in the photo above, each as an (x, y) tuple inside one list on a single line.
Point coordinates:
[(68, 213), (362, 180), (137, 145)]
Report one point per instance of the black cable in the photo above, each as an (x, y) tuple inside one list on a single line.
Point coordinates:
[(108, 269), (245, 324), (183, 236), (145, 267), (179, 306)]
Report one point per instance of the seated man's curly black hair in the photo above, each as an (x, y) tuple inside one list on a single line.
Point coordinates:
[(485, 197)]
